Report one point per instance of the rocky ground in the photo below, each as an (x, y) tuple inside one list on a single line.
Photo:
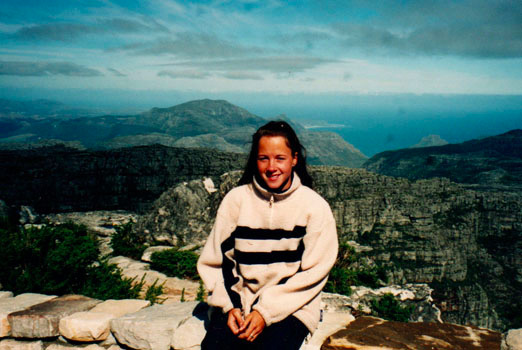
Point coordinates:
[(32, 321), (38, 322)]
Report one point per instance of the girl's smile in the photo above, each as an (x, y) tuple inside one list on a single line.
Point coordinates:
[(275, 162)]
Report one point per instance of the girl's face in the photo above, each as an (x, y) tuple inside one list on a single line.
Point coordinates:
[(275, 161)]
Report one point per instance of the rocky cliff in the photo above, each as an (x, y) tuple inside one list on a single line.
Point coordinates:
[(490, 162), (465, 243), (57, 179)]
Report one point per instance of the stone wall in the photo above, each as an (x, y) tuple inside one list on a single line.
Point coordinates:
[(42, 322), (37, 322)]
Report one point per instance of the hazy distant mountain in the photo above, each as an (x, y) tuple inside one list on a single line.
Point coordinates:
[(206, 123), (326, 145), (200, 117), (208, 141), (490, 161), (40, 108), (429, 141)]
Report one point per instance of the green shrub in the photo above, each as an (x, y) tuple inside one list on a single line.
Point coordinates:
[(339, 281), (59, 260), (346, 255), (104, 281), (344, 274), (371, 277), (175, 263), (200, 296), (389, 308), (50, 260), (154, 292), (126, 242)]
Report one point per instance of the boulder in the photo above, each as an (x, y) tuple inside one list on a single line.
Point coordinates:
[(102, 222), (109, 341), (18, 303), (152, 328), (72, 347), (121, 307), (512, 340), (190, 333), (86, 326), (6, 294), (28, 215), (42, 320), (373, 333), (12, 344), (331, 323), (94, 325), (114, 347), (147, 254)]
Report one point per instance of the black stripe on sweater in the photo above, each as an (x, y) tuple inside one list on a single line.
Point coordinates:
[(276, 256), (244, 232), (227, 270)]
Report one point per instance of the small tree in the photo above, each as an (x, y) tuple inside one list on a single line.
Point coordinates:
[(126, 242), (176, 263), (389, 308)]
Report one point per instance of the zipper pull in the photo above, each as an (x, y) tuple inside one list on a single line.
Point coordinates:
[(271, 201)]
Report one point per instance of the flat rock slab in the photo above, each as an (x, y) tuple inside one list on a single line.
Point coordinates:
[(18, 303), (42, 320), (94, 325), (11, 344), (367, 333), (152, 328), (72, 347), (4, 294), (118, 308), (147, 254), (331, 323), (514, 339), (191, 332)]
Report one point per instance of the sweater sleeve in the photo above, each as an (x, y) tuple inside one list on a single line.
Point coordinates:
[(216, 265), (320, 251)]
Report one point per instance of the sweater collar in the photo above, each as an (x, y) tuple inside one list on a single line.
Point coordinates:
[(264, 193)]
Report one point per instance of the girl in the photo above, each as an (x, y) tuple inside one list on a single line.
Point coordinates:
[(272, 246)]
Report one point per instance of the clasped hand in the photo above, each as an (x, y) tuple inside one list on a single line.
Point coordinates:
[(248, 328)]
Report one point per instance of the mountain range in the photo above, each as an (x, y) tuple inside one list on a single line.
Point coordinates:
[(196, 124), (489, 162)]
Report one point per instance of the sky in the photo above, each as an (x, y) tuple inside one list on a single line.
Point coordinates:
[(248, 46), (258, 54)]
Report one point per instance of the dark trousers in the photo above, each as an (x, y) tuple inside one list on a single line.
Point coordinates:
[(288, 334)]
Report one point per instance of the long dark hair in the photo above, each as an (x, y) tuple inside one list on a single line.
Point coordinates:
[(277, 128)]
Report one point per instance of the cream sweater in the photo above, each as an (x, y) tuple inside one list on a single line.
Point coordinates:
[(270, 252)]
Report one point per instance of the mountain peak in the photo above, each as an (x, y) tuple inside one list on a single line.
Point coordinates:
[(208, 104), (429, 141)]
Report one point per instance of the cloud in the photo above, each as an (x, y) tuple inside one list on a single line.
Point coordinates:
[(37, 69), (116, 72), (239, 75), (123, 25), (190, 45), (281, 64), (307, 39), (479, 29), (54, 31), (185, 74), (66, 32)]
